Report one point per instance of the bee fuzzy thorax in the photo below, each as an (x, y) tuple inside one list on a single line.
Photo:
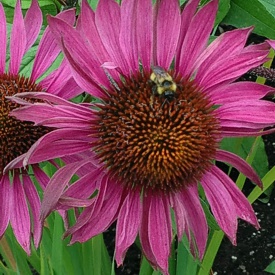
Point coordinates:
[(163, 83)]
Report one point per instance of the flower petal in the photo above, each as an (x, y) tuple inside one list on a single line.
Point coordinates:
[(5, 201), (166, 35), (33, 21), (222, 205), (17, 40), (109, 11), (240, 164), (20, 217), (159, 231), (48, 49), (128, 223), (242, 206), (34, 202), (56, 187), (196, 221), (3, 39), (197, 37)]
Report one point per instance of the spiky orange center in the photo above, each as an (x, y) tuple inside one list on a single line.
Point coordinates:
[(148, 141), (16, 137)]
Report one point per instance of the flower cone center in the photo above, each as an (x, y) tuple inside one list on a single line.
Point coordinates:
[(151, 141), (16, 137)]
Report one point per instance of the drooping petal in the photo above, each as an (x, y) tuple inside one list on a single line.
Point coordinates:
[(3, 39), (86, 215), (221, 203), (144, 232), (33, 21), (160, 231), (128, 223), (5, 201), (102, 216), (166, 35), (243, 208), (56, 187), (240, 164), (34, 202), (19, 215), (17, 41), (196, 220)]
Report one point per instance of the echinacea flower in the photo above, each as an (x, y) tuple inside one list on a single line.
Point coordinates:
[(154, 137), (19, 199)]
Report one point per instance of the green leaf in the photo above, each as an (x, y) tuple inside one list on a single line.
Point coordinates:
[(271, 268), (186, 264), (242, 146), (224, 7), (251, 13)]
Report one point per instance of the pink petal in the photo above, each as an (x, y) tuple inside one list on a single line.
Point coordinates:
[(85, 186), (271, 43), (128, 33), (180, 212), (128, 223), (195, 217), (109, 11), (160, 231), (3, 39), (229, 69), (186, 18), (34, 202), (48, 49), (59, 137), (251, 111), (143, 233), (197, 37), (17, 40), (228, 44), (103, 214), (88, 212), (238, 91), (242, 206), (87, 27), (84, 69), (167, 35), (33, 21), (5, 200), (42, 178), (20, 218), (240, 164), (60, 80), (144, 27), (56, 187), (222, 205)]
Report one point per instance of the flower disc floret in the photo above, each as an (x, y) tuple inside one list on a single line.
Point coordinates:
[(16, 136), (150, 141)]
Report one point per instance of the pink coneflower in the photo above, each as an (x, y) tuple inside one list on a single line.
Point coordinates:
[(19, 200), (153, 141)]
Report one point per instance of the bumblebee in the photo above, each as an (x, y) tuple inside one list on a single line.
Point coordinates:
[(164, 83)]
